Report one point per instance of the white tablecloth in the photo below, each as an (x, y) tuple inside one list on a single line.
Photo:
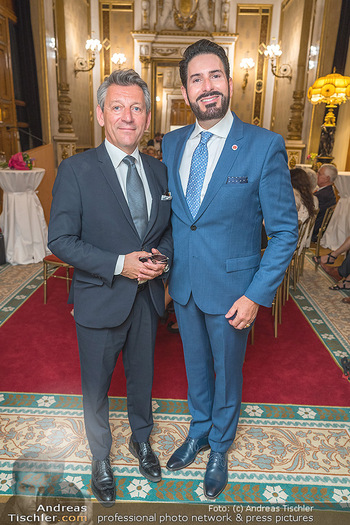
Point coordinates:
[(339, 226), (22, 220)]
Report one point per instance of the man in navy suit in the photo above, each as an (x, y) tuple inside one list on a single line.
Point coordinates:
[(326, 176), (225, 177), (111, 207)]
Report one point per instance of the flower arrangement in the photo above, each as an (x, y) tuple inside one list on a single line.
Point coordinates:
[(311, 156), (20, 161)]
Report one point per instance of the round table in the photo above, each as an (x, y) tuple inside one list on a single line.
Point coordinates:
[(22, 220), (339, 225)]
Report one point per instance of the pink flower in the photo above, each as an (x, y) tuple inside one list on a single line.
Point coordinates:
[(18, 162)]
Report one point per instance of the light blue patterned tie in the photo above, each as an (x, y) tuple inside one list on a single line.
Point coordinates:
[(136, 196), (198, 170)]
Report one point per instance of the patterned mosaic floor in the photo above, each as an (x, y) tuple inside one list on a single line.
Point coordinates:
[(323, 308), (282, 454), (17, 284)]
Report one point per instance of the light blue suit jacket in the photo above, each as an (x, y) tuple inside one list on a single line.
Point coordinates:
[(217, 256)]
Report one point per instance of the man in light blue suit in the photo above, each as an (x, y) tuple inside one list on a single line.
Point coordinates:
[(225, 177)]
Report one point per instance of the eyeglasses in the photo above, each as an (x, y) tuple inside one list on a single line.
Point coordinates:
[(155, 258)]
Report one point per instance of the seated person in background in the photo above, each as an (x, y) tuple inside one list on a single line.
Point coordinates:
[(339, 273), (313, 184), (326, 175), (158, 137), (304, 200), (302, 192), (151, 150)]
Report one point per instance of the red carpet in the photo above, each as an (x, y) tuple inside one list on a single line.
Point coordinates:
[(39, 354)]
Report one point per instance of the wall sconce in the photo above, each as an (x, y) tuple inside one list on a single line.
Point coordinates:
[(246, 64), (82, 64), (272, 52), (118, 59), (313, 52)]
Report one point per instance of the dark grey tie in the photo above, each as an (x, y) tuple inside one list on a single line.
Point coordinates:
[(135, 193)]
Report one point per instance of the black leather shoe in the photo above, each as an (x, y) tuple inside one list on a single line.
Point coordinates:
[(102, 482), (187, 453), (148, 461), (216, 475)]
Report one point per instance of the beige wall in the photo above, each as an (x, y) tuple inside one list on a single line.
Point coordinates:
[(328, 42), (248, 28), (342, 136), (290, 34), (77, 20)]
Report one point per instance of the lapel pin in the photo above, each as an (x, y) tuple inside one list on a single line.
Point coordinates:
[(234, 147)]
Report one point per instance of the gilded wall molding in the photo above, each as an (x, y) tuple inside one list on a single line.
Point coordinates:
[(225, 14), (145, 14), (165, 52), (295, 124), (65, 141), (285, 4), (185, 13), (65, 119)]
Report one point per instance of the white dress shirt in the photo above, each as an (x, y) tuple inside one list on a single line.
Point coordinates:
[(215, 146), (121, 169)]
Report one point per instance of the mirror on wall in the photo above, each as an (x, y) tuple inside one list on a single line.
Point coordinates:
[(169, 108)]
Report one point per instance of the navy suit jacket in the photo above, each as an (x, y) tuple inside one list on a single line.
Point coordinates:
[(326, 199), (217, 256), (91, 225)]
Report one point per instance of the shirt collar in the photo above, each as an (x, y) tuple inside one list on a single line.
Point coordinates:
[(117, 155), (221, 129)]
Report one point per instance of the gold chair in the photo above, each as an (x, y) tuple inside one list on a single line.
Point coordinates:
[(55, 262), (252, 334), (308, 235), (294, 264), (277, 308), (276, 312), (327, 217)]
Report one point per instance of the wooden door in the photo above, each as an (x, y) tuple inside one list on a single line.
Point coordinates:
[(181, 114), (8, 120)]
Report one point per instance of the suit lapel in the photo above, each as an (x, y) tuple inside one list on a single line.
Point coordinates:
[(225, 164), (109, 173), (179, 151), (151, 179)]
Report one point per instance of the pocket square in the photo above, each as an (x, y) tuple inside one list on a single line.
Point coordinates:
[(237, 180), (166, 197)]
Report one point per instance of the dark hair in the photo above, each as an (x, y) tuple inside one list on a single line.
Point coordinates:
[(123, 77), (300, 181), (202, 47)]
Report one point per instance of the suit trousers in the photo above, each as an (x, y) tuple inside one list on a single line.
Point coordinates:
[(214, 355), (99, 350)]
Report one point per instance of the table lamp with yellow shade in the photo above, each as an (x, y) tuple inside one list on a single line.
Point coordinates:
[(332, 90)]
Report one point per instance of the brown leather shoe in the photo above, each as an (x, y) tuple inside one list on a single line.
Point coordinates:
[(333, 272), (346, 300)]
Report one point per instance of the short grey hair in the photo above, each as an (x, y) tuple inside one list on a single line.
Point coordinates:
[(330, 171), (123, 77), (312, 177)]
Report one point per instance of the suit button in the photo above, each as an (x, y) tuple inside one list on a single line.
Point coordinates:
[(193, 227)]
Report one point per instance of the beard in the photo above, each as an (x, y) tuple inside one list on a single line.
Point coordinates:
[(211, 112)]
